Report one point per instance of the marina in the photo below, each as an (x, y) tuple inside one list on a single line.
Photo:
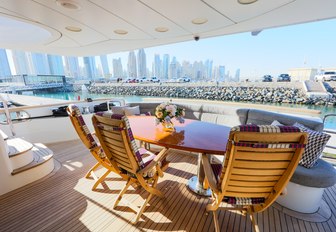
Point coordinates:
[(323, 109)]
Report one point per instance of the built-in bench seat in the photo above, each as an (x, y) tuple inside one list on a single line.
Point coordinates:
[(305, 190)]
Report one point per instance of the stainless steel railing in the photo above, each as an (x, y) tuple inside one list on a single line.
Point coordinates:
[(8, 117), (330, 131)]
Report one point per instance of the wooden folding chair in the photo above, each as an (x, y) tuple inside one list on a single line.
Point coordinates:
[(95, 149), (258, 164), (115, 136)]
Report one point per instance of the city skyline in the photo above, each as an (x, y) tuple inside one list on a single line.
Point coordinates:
[(97, 66), (273, 51)]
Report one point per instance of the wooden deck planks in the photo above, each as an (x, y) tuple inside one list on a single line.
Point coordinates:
[(65, 202)]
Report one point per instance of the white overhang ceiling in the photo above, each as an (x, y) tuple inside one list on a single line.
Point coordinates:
[(92, 27)]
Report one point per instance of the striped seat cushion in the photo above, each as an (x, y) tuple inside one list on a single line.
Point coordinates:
[(128, 129), (217, 169), (243, 200), (268, 129), (143, 156), (89, 141), (260, 129)]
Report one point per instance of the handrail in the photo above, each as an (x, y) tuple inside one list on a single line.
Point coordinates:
[(9, 121), (328, 115), (20, 108), (328, 130), (8, 117)]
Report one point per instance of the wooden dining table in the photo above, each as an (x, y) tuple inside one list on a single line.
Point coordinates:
[(192, 135)]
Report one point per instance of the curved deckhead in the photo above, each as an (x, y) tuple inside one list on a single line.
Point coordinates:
[(85, 28)]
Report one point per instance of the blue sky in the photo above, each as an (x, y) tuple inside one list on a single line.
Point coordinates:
[(273, 51)]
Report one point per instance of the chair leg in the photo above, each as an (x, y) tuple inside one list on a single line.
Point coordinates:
[(101, 179), (255, 226), (150, 189), (89, 173), (145, 145), (142, 208), (215, 218), (119, 197)]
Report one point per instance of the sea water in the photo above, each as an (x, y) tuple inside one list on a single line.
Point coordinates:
[(330, 121)]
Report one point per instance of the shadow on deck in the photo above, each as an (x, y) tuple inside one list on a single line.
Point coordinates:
[(65, 202)]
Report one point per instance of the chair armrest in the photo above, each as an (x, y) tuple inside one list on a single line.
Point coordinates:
[(209, 173), (155, 161)]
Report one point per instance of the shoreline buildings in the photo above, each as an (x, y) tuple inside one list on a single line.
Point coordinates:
[(163, 67)]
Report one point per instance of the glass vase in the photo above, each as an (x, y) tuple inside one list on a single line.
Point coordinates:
[(168, 126)]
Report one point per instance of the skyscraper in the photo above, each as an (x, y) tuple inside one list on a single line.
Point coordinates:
[(72, 67), (198, 70), (222, 73), (173, 69), (165, 66), (105, 67), (117, 68), (4, 64), (40, 65), (90, 67), (208, 70), (237, 75), (142, 63), (187, 69), (55, 65), (21, 63), (132, 65), (157, 66)]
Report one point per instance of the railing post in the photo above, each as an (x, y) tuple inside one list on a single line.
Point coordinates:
[(8, 117)]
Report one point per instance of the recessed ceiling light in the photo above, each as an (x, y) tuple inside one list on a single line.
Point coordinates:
[(73, 29), (68, 4), (161, 29), (246, 2), (199, 21), (120, 32)]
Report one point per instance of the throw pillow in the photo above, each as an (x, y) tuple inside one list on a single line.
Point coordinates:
[(276, 123), (135, 110), (118, 110), (315, 145)]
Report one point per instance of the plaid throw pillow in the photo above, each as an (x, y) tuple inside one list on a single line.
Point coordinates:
[(315, 145)]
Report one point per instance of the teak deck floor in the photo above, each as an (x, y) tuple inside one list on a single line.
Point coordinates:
[(64, 201)]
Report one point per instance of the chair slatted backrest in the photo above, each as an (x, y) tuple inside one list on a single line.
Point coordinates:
[(116, 138), (84, 133), (80, 126), (260, 161)]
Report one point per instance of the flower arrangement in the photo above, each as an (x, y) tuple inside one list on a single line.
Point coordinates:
[(166, 111)]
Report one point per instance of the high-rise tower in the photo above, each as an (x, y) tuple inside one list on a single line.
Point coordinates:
[(165, 66), (40, 65), (4, 64), (117, 68), (72, 66), (105, 67), (55, 65), (21, 62), (142, 63), (157, 66), (132, 65), (90, 67)]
